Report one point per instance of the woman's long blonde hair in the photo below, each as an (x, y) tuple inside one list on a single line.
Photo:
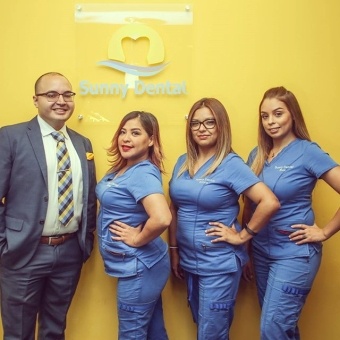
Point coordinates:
[(265, 142), (223, 144)]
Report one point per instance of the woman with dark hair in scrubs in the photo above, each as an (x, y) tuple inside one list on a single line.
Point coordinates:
[(133, 214), (287, 252)]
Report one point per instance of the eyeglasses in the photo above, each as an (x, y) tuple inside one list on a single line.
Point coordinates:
[(208, 124), (53, 96)]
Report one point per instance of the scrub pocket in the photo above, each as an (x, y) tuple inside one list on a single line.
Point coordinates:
[(118, 263), (216, 258), (290, 304)]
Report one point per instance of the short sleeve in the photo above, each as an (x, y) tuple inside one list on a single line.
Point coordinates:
[(144, 181), (239, 175), (317, 161)]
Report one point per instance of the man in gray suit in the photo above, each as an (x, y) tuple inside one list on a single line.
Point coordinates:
[(41, 254)]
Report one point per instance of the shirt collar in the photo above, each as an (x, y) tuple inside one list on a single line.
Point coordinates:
[(47, 129)]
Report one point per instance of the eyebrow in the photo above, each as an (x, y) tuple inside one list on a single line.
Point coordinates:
[(278, 108), (133, 129), (195, 119)]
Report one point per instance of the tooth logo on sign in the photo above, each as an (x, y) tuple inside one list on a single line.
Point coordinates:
[(153, 65), (117, 58)]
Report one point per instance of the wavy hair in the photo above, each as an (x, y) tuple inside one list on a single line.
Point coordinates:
[(150, 125), (265, 142)]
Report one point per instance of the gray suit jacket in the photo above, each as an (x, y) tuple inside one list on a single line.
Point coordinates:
[(24, 193)]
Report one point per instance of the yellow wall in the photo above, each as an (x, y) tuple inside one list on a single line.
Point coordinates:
[(238, 49)]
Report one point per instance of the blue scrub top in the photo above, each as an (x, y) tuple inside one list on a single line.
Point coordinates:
[(120, 200), (292, 176), (201, 200)]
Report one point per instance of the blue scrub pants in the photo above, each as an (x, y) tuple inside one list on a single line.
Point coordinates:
[(140, 310), (283, 286), (211, 300)]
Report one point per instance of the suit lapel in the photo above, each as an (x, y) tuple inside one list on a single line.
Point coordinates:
[(35, 138)]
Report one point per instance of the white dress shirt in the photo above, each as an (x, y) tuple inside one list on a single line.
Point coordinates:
[(52, 224)]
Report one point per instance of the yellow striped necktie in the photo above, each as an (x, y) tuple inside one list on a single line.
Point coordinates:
[(65, 187)]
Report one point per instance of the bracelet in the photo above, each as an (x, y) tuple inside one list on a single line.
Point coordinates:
[(249, 231), (173, 247)]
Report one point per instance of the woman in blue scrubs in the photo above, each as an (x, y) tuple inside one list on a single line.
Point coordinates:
[(205, 187), (133, 214), (287, 252)]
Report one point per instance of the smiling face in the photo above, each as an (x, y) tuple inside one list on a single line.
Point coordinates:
[(205, 137), (134, 142), (276, 120), (54, 113)]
